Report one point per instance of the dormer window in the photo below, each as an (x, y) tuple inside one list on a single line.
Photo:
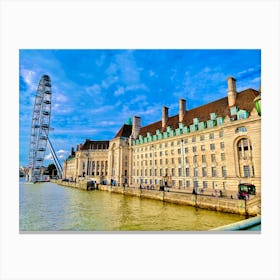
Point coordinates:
[(233, 110), (242, 114)]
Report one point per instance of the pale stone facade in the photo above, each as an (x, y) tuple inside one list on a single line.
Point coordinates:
[(206, 160), (208, 149)]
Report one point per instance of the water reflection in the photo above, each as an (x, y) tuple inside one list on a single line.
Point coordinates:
[(49, 207)]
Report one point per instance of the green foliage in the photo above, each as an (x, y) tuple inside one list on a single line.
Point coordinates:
[(52, 169)]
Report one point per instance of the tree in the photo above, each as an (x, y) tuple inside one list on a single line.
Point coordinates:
[(52, 171)]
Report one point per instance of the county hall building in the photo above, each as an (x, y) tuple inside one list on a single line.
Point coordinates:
[(208, 149)]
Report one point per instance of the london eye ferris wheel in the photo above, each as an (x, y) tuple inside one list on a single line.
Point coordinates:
[(40, 126)]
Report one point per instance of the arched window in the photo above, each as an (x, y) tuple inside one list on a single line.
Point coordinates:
[(245, 156)]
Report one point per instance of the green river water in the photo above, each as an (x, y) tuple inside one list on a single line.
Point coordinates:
[(50, 207)]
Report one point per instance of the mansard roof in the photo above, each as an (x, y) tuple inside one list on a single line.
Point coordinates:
[(95, 145), (125, 131), (244, 101)]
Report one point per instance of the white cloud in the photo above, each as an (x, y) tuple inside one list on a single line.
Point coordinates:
[(57, 96), (105, 123), (119, 91), (122, 90), (61, 108), (153, 74), (110, 80), (77, 130), (94, 89), (48, 157), (29, 78), (61, 152)]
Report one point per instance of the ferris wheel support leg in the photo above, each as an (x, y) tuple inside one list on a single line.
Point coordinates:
[(55, 159)]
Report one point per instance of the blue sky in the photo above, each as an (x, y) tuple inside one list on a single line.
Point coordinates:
[(94, 92)]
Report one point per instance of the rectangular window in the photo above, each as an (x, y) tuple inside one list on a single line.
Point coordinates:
[(204, 184), (223, 156), (211, 136), (195, 172), (166, 161), (180, 184), (173, 172), (202, 147), (179, 172), (160, 162), (212, 147), (179, 160), (222, 145), (194, 139), (246, 169), (188, 184), (186, 160), (204, 172), (160, 172), (186, 150), (224, 171), (172, 160), (214, 172), (221, 134), (203, 158), (187, 172), (195, 184), (195, 159), (213, 158), (202, 137), (179, 151), (194, 149)]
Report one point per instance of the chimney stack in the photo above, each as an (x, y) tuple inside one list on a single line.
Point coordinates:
[(182, 109), (136, 125), (231, 91), (164, 117)]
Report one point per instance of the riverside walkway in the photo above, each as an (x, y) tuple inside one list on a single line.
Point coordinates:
[(248, 208)]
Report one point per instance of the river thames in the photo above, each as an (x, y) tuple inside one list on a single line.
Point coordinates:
[(50, 207)]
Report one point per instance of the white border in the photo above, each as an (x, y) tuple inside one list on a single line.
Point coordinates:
[(143, 24)]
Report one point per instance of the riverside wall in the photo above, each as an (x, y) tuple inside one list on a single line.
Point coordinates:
[(251, 207)]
